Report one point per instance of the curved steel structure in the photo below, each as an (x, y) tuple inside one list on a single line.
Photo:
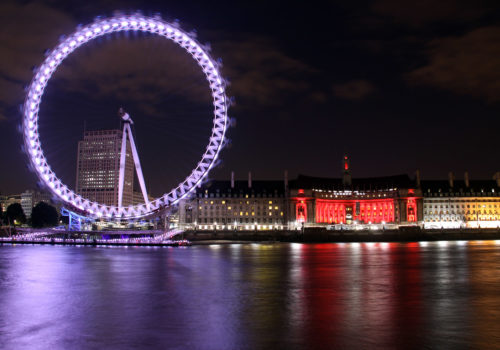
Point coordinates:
[(100, 27)]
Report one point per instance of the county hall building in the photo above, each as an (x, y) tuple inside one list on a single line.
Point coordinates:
[(461, 203), (343, 203), (236, 205), (379, 201)]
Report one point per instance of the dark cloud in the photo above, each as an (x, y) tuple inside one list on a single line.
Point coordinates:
[(263, 74), (418, 13), (143, 71), (468, 64), (353, 90), (26, 31)]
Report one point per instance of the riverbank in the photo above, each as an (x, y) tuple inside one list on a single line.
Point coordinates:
[(322, 235), (94, 243), (310, 235)]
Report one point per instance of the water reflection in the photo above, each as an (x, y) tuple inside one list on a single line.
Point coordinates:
[(252, 296)]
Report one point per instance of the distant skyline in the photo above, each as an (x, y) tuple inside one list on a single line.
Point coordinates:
[(396, 86)]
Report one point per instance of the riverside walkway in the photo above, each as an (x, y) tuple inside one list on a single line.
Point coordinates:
[(165, 239)]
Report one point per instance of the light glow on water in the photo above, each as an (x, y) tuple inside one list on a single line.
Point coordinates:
[(398, 298), (442, 243), (384, 245)]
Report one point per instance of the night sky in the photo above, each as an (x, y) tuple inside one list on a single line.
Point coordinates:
[(397, 85)]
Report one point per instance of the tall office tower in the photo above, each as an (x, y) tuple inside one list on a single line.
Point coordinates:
[(98, 168)]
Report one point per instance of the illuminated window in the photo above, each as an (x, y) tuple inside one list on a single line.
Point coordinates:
[(270, 202)]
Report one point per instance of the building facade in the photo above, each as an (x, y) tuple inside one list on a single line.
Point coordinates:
[(98, 168), (30, 198), (304, 202), (357, 203), (326, 202), (344, 203), (5, 201), (236, 205), (461, 204)]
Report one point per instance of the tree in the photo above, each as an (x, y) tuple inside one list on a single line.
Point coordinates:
[(44, 215), (15, 214)]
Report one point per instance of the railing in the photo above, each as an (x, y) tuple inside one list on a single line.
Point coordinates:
[(41, 237)]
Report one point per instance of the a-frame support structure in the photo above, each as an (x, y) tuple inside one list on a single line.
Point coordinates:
[(127, 132)]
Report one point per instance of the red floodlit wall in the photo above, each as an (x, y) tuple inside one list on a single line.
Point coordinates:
[(411, 209), (370, 210), (301, 211)]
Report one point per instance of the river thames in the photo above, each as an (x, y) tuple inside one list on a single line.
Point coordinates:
[(435, 295)]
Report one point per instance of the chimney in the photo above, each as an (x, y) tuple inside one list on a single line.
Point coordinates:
[(417, 175), (497, 177), (232, 179), (286, 180), (466, 179), (346, 169), (450, 178), (249, 179)]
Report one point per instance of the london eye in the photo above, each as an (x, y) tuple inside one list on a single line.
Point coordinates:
[(101, 27)]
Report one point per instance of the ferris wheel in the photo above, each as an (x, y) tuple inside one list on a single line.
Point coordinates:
[(122, 23)]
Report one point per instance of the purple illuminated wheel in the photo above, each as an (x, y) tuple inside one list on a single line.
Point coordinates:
[(101, 27)]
